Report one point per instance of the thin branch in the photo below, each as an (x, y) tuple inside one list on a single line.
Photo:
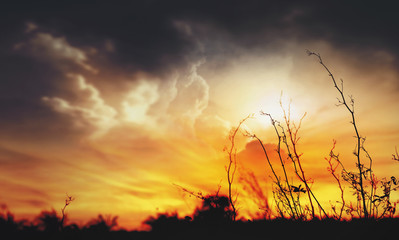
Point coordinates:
[(68, 201), (232, 165), (278, 150), (350, 107), (332, 169), (395, 156), (277, 179)]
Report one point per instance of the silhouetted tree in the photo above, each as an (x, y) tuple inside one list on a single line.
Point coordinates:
[(48, 221), (214, 209), (8, 223), (164, 222)]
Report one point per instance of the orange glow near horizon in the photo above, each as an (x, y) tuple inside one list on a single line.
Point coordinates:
[(126, 147)]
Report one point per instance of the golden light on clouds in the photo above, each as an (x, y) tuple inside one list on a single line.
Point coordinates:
[(120, 140)]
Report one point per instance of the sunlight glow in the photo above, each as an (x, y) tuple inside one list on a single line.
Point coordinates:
[(139, 100)]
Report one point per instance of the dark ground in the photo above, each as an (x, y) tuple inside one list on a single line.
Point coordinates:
[(187, 229), (212, 220)]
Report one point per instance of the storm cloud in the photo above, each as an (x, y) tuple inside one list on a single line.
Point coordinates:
[(154, 35)]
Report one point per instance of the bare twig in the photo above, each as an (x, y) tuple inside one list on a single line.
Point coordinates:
[(276, 177), (296, 158), (350, 107), (296, 207), (198, 195), (395, 156), (332, 169), (232, 164), (68, 201)]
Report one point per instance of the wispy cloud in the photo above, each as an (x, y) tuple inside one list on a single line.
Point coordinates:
[(148, 103), (192, 96), (138, 101), (55, 50), (93, 111)]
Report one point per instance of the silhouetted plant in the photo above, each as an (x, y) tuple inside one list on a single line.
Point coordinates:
[(287, 194), (214, 211), (388, 208), (7, 221), (356, 179), (395, 156), (259, 196), (283, 203), (68, 201), (363, 182), (281, 193), (102, 223), (164, 222), (231, 168), (49, 221), (295, 157), (214, 208), (334, 163)]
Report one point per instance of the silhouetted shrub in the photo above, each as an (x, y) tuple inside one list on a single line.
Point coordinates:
[(164, 222), (8, 223), (102, 224), (48, 221), (214, 209)]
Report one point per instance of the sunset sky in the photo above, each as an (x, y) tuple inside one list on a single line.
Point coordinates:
[(116, 103)]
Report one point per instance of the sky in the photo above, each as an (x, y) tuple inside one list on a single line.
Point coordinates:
[(117, 103)]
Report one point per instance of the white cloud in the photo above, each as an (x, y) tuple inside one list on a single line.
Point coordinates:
[(94, 111), (170, 104), (192, 95), (137, 103), (175, 103)]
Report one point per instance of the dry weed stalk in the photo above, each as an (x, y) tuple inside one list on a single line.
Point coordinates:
[(358, 178), (280, 194), (287, 195), (231, 168), (252, 186), (333, 164), (295, 157), (293, 204), (395, 156), (363, 182), (68, 201)]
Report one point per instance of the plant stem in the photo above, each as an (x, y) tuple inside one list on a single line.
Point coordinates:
[(344, 102), (233, 164)]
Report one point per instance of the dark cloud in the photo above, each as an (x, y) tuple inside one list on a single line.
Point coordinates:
[(142, 32), (145, 37)]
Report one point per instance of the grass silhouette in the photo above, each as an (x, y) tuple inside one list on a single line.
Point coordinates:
[(299, 213)]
